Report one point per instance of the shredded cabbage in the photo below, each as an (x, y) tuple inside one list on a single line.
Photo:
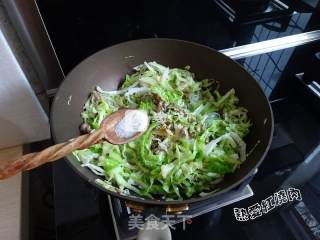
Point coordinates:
[(194, 139)]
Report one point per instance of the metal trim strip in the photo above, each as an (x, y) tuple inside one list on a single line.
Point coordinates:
[(314, 90), (27, 20), (267, 46)]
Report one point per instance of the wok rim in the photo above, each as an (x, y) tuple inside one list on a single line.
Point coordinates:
[(158, 201)]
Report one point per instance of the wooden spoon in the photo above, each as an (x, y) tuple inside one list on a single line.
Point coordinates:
[(58, 151)]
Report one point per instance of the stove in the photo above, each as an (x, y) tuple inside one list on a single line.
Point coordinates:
[(65, 207), (122, 212)]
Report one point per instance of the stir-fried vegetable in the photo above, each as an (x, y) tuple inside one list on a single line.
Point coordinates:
[(195, 135)]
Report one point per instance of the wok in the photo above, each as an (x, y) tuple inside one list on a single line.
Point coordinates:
[(107, 69)]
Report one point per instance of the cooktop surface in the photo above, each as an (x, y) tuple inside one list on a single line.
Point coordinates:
[(79, 28)]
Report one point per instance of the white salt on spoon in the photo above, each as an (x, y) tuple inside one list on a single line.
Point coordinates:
[(133, 122)]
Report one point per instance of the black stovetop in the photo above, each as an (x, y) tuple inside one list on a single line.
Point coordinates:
[(63, 206), (79, 28)]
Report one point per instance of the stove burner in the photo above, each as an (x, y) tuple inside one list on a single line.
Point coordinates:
[(121, 213), (235, 14)]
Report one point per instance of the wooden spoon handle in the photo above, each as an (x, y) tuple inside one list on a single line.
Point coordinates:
[(55, 152)]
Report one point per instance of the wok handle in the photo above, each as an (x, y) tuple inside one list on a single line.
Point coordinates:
[(55, 152)]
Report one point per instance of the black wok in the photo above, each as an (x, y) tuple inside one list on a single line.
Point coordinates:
[(108, 67)]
